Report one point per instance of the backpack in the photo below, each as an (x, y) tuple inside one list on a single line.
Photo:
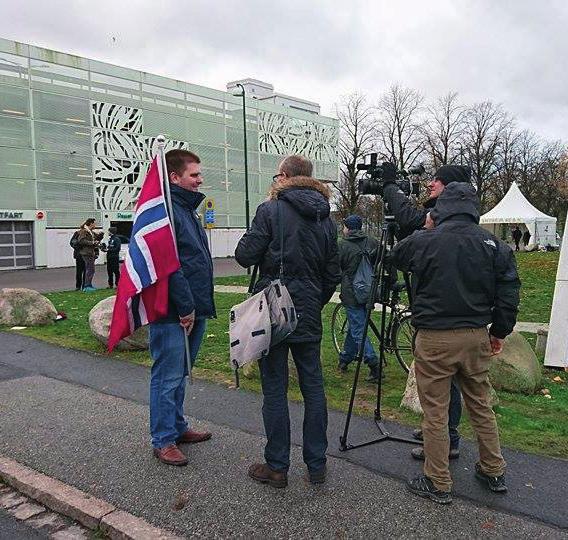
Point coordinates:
[(363, 277), (74, 242)]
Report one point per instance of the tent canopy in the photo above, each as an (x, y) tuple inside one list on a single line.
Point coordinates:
[(515, 208)]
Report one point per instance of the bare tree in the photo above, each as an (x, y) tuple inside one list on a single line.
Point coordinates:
[(355, 141), (442, 130), (485, 125), (399, 126)]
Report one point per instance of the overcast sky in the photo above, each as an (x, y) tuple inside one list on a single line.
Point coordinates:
[(512, 52)]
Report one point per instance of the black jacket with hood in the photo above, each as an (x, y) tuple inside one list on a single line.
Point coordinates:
[(408, 217), (462, 275), (311, 262), (350, 254)]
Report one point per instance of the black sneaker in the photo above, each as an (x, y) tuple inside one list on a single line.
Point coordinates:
[(318, 477), (418, 453), (374, 374), (417, 434), (493, 483), (342, 366), (423, 487)]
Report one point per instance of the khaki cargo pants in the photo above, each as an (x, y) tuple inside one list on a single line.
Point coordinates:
[(439, 355)]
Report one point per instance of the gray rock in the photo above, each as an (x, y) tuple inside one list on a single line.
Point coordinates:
[(25, 307), (517, 368), (99, 322)]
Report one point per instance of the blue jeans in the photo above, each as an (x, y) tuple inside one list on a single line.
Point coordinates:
[(454, 414), (356, 318), (167, 379), (274, 378)]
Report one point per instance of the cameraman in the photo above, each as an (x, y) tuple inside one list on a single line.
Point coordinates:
[(410, 219), (463, 279)]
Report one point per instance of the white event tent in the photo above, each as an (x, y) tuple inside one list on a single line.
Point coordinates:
[(515, 208)]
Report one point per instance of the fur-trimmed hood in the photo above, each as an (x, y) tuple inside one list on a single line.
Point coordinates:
[(308, 196)]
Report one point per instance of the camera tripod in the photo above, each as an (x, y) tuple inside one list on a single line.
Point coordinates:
[(383, 275)]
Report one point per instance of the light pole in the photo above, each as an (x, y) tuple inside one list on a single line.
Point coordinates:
[(247, 202)]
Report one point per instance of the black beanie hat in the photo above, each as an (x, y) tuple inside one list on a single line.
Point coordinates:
[(453, 173)]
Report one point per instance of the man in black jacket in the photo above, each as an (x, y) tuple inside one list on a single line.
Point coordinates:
[(113, 257), (463, 279), (310, 269), (410, 219), (351, 249)]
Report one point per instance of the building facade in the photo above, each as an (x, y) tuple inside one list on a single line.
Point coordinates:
[(76, 141)]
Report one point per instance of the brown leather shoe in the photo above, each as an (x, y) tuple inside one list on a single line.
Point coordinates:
[(192, 437), (261, 472), (171, 455)]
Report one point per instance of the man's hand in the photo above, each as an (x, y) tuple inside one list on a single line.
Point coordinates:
[(496, 344), (187, 322)]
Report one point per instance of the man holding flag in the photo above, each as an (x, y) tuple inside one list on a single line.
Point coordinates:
[(168, 282)]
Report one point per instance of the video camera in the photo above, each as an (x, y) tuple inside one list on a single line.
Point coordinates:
[(377, 175)]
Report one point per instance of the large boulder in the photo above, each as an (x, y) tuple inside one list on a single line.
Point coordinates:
[(411, 401), (25, 307), (517, 368), (99, 322)]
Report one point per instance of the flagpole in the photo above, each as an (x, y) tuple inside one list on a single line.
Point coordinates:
[(161, 141)]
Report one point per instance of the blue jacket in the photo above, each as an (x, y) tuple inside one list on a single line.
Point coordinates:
[(190, 287)]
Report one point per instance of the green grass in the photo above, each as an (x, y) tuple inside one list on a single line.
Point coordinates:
[(530, 423), (233, 280)]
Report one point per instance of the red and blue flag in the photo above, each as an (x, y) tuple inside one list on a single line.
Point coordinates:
[(142, 293)]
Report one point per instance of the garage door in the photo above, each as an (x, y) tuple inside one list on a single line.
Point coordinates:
[(16, 249)]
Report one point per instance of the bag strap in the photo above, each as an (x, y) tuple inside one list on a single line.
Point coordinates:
[(253, 280), (281, 231)]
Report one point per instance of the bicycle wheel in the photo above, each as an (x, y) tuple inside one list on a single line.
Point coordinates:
[(402, 336), (339, 327)]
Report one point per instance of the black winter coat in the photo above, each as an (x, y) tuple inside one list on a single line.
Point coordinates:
[(462, 276), (190, 287), (350, 253), (310, 262)]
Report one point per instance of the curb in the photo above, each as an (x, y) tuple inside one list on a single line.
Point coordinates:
[(67, 500)]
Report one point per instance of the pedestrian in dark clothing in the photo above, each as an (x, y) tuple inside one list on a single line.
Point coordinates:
[(351, 249), (79, 262), (411, 219), (517, 235), (89, 250), (310, 267), (113, 257), (190, 304), (526, 238), (463, 279)]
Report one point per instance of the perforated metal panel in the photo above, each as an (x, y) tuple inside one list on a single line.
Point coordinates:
[(16, 163), (64, 167), (214, 179), (58, 75), (66, 109), (70, 218), (238, 221), (14, 101), (211, 157), (15, 132), (237, 182), (64, 195), (62, 138), (236, 160), (269, 163), (116, 196), (210, 133), (174, 127), (13, 69), (18, 194)]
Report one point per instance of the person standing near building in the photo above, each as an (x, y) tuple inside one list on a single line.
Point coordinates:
[(190, 304), (298, 209), (526, 238), (351, 250), (79, 262), (88, 249), (112, 257), (517, 235), (463, 279)]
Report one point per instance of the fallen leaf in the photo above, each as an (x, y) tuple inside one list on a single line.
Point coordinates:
[(558, 379), (545, 391), (488, 525), (529, 485), (210, 336), (180, 501), (548, 396)]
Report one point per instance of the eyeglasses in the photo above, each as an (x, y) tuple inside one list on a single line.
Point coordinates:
[(277, 176)]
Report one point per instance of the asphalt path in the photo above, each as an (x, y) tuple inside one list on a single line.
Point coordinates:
[(538, 487)]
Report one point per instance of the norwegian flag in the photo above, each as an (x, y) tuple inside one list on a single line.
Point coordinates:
[(142, 293)]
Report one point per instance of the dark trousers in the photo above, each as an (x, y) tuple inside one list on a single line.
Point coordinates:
[(89, 270), (274, 378), (79, 272), (113, 271), (516, 245)]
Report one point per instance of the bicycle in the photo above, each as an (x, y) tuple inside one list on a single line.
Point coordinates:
[(398, 328)]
